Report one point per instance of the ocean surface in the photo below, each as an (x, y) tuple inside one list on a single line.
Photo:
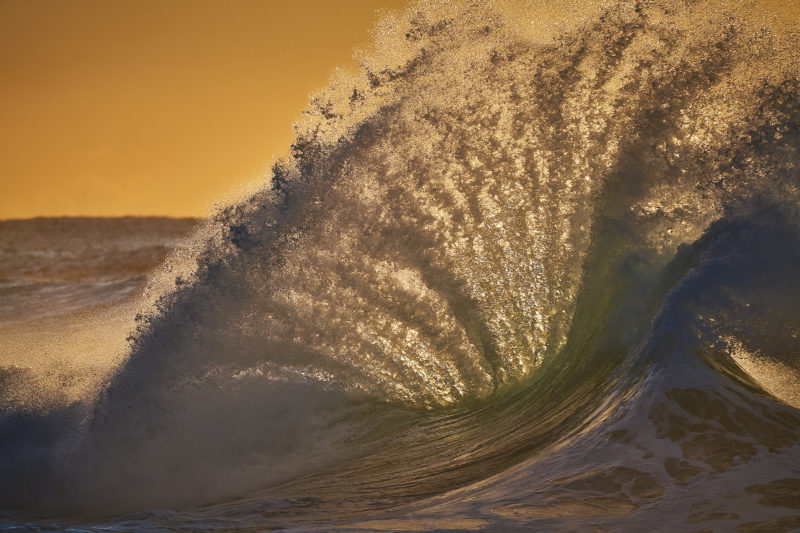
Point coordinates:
[(518, 274)]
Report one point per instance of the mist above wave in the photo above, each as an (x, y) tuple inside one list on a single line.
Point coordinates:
[(425, 241)]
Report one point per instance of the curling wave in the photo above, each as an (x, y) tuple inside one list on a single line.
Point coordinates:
[(506, 276)]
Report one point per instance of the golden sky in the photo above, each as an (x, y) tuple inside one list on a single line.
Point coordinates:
[(156, 107)]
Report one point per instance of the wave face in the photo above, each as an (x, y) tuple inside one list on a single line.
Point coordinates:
[(510, 276)]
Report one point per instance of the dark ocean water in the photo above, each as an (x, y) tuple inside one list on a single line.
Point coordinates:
[(508, 279)]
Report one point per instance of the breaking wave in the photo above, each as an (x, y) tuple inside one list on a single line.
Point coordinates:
[(507, 275)]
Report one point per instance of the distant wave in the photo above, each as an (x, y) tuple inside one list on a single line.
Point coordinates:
[(502, 280), (83, 248)]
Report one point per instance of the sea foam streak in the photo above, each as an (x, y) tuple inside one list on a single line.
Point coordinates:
[(504, 279)]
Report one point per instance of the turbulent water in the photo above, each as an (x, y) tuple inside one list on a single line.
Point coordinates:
[(525, 271)]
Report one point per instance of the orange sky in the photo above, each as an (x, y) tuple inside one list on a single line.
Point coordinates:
[(156, 107)]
